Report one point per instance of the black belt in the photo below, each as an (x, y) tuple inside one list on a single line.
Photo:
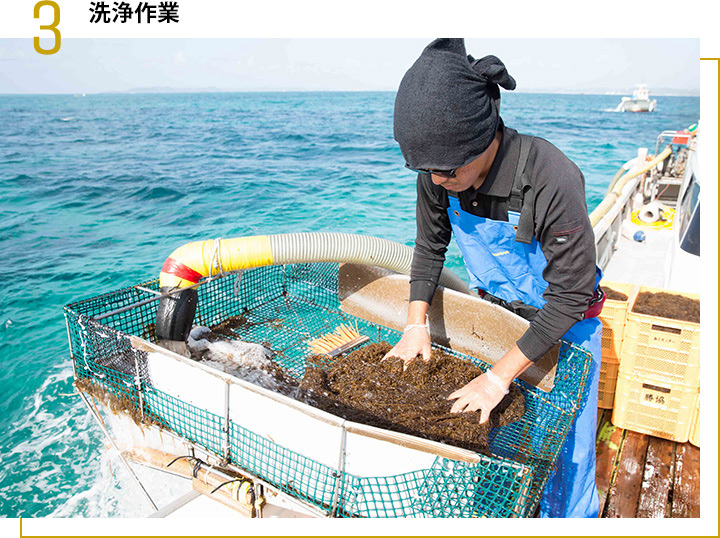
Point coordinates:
[(529, 312)]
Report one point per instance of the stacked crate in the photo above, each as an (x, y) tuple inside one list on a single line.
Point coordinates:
[(659, 375), (695, 433), (613, 320)]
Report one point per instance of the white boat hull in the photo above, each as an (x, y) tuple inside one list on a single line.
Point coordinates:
[(637, 105)]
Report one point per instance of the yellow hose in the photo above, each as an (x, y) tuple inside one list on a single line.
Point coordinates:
[(190, 263), (193, 262), (612, 196), (619, 173), (210, 257)]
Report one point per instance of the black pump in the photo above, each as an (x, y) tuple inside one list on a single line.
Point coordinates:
[(175, 315)]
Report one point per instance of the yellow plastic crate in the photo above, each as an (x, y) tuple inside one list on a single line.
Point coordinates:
[(606, 386), (613, 319), (653, 407), (695, 431), (660, 348)]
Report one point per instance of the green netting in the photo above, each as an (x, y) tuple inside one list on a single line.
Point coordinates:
[(495, 489), (285, 469), (188, 421), (284, 307), (491, 488)]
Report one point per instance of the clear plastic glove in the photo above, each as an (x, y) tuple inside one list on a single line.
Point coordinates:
[(415, 340), (484, 392)]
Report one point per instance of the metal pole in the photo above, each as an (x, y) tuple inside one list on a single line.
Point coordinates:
[(339, 473), (259, 499), (129, 307), (127, 465), (153, 299), (148, 290), (72, 358), (138, 385), (226, 424)]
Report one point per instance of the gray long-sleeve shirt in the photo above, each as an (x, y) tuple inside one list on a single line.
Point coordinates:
[(562, 227)]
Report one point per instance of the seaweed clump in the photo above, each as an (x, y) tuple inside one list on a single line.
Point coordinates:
[(363, 388), (123, 403), (614, 295), (668, 305)]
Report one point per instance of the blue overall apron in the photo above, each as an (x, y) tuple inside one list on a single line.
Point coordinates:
[(511, 270)]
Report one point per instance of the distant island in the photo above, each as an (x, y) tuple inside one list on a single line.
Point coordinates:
[(678, 92), (656, 92)]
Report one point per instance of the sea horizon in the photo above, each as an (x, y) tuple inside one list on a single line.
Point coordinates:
[(176, 91)]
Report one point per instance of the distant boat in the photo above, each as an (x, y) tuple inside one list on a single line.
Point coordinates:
[(639, 102)]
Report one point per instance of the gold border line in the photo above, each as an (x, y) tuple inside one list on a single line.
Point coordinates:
[(718, 60), (311, 535)]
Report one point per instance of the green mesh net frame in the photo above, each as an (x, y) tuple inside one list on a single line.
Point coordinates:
[(284, 307)]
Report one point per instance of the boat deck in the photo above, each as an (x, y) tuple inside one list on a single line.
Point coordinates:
[(641, 263), (643, 476)]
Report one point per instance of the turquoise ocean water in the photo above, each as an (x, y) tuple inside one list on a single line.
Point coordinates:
[(97, 191)]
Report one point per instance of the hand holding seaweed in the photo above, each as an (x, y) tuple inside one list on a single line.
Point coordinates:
[(415, 341), (362, 387), (483, 393)]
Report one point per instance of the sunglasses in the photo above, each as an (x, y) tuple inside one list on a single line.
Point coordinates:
[(441, 173)]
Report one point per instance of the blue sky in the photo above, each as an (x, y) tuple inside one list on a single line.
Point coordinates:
[(107, 65)]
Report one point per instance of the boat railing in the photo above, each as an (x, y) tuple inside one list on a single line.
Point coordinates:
[(607, 218), (608, 227), (638, 169), (681, 138)]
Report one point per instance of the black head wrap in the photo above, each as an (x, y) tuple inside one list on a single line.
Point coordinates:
[(447, 108)]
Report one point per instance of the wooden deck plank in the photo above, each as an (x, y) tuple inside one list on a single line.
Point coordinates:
[(600, 419), (609, 442), (622, 501), (657, 479), (686, 494)]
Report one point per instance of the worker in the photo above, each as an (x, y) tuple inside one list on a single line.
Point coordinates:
[(516, 205)]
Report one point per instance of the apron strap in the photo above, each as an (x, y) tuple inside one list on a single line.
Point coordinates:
[(522, 197), (523, 310), (529, 312)]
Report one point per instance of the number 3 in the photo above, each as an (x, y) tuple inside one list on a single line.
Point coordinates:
[(52, 27)]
